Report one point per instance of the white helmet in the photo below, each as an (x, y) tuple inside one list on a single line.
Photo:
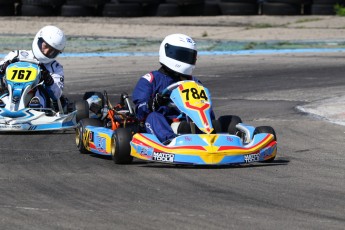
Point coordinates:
[(54, 37), (178, 53)]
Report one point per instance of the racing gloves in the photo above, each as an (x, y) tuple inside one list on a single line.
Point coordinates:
[(158, 101), (4, 65), (46, 77)]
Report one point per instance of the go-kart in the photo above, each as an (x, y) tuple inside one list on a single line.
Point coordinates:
[(199, 139), (21, 80)]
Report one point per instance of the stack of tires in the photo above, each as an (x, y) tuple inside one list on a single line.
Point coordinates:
[(61, 7), (239, 7), (8, 7), (324, 7), (40, 7), (166, 8), (82, 8), (284, 7), (297, 7)]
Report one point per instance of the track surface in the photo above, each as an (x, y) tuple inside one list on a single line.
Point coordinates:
[(46, 184)]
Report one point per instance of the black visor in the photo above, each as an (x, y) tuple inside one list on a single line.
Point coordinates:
[(52, 51), (181, 54)]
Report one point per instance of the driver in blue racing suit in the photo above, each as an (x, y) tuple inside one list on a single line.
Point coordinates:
[(48, 43), (177, 56)]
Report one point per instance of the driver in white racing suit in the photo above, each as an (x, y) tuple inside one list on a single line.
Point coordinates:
[(48, 43)]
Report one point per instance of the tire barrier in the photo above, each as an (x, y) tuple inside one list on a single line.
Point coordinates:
[(166, 8)]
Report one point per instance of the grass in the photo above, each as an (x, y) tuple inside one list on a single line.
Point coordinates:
[(339, 10), (308, 20), (260, 26)]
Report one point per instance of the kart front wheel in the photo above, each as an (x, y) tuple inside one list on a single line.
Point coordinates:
[(82, 108), (120, 146), (266, 129), (228, 123), (80, 133)]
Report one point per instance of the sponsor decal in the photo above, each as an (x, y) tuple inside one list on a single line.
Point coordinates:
[(251, 158), (90, 136), (148, 77), (187, 138), (10, 126), (230, 139), (24, 54), (267, 152), (164, 157), (101, 143), (146, 152)]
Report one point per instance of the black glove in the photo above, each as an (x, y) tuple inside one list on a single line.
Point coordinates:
[(46, 77), (158, 101), (4, 66)]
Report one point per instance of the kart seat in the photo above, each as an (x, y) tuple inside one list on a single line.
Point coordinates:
[(188, 127), (184, 127)]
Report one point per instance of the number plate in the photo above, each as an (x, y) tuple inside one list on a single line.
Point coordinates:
[(21, 74), (193, 94)]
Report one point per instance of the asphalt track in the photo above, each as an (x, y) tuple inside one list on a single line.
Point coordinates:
[(45, 183)]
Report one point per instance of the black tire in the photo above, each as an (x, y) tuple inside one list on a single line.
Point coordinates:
[(233, 8), (280, 9), (43, 2), (241, 1), (6, 2), (192, 10), (122, 10), (228, 123), (140, 1), (168, 10), (7, 10), (79, 132), (82, 108), (211, 9), (86, 2), (149, 9), (266, 129), (329, 2), (35, 10), (319, 9), (296, 2), (120, 146), (185, 2), (77, 11)]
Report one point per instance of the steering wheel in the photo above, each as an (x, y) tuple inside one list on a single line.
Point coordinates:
[(173, 86)]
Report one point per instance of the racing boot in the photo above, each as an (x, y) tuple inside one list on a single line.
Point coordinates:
[(35, 103)]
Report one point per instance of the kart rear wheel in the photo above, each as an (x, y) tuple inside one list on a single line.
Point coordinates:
[(120, 146), (266, 129), (82, 108), (80, 130), (228, 123)]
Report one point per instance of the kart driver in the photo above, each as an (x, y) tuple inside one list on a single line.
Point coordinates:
[(177, 56), (48, 43)]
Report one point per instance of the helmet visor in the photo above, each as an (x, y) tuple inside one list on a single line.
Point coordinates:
[(181, 54), (47, 50)]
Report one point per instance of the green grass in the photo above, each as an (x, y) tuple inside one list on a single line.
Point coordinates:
[(339, 10), (308, 20)]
